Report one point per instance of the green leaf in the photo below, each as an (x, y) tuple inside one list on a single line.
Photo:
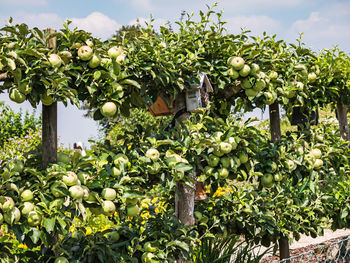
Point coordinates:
[(49, 224), (183, 167), (178, 243), (131, 83)]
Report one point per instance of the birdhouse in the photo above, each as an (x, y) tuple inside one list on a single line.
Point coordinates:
[(197, 96), (160, 107)]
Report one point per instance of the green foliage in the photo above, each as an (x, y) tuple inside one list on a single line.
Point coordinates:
[(140, 124), (16, 125), (226, 250)]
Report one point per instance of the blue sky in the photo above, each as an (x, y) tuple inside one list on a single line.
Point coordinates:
[(325, 23)]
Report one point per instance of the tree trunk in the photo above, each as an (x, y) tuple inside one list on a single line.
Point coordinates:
[(284, 248), (185, 202), (49, 121), (343, 120), (275, 127), (49, 134)]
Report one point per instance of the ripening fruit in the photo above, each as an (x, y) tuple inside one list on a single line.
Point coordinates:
[(109, 109), (109, 194), (236, 62), (85, 53)]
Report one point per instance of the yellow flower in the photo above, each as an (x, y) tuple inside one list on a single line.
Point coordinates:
[(88, 231), (24, 246)]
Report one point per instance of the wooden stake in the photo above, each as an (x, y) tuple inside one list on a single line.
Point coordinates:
[(49, 134), (275, 129), (342, 111), (49, 123)]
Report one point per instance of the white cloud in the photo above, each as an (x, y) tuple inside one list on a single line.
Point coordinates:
[(98, 24), (42, 20), (324, 28), (256, 24), (23, 2)]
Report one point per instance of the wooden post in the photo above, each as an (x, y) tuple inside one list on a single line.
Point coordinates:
[(184, 199), (49, 134), (49, 123), (275, 129), (343, 120)]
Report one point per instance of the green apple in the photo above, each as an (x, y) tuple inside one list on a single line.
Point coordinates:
[(236, 63), (108, 109), (114, 236), (217, 152), (316, 153), (244, 71), (318, 164), (273, 75), (109, 194), (243, 157), (63, 158), (213, 160), (116, 172), (312, 77), (232, 141), (198, 215), (208, 170), (76, 192), (223, 173), (16, 96), (27, 207), (120, 157), (267, 180), (251, 92), (225, 147), (152, 154), (108, 207), (291, 165), (24, 88), (154, 168), (7, 204), (259, 85), (55, 60), (86, 192), (61, 260), (12, 216), (246, 84), (115, 52), (85, 53), (46, 100), (70, 178), (34, 218), (132, 210), (27, 195), (277, 177), (147, 257), (226, 162), (233, 73), (95, 61), (269, 98), (254, 69)]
